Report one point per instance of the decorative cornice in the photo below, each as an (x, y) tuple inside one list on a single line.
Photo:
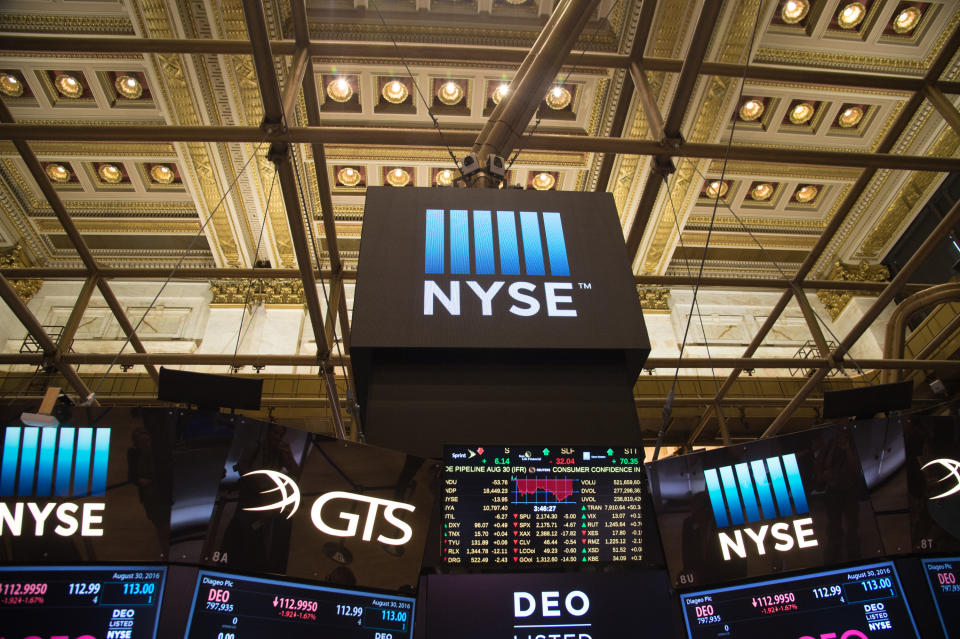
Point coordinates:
[(256, 292), (654, 298), (836, 301), (12, 258)]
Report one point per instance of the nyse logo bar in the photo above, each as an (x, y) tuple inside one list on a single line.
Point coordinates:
[(497, 249), (761, 490), (54, 462)]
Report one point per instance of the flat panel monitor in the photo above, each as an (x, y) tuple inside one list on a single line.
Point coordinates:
[(567, 605), (860, 602), (524, 506), (943, 575), (228, 605), (80, 602)]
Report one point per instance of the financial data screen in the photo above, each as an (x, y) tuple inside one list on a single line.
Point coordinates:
[(855, 603), (525, 506), (943, 575), (119, 602), (228, 606)]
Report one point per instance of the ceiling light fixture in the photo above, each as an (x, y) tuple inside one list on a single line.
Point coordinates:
[(349, 176), (558, 98), (806, 193), (851, 15), (543, 181), (751, 109), (162, 174), (500, 93), (10, 85), (398, 177), (128, 87), (761, 192), (801, 113), (444, 177), (850, 117), (68, 86), (450, 93), (907, 20), (110, 173), (793, 11), (58, 173), (339, 90), (717, 188), (395, 92)]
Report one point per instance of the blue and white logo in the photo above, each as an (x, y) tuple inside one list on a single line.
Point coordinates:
[(51, 461), (739, 492)]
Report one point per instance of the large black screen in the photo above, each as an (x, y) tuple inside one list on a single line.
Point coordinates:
[(228, 605), (943, 575), (853, 603), (522, 506), (104, 602)]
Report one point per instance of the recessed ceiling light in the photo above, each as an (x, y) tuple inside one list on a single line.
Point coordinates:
[(907, 20), (450, 93), (761, 192), (806, 193), (395, 92), (10, 85), (339, 90), (349, 176), (398, 177), (793, 11), (110, 173), (850, 117), (801, 113), (751, 109), (851, 15), (58, 173), (444, 177), (558, 98), (162, 174), (128, 87), (500, 93), (717, 188), (543, 181), (68, 86)]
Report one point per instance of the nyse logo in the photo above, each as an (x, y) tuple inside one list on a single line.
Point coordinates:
[(54, 462), (496, 252), (760, 490), (289, 495)]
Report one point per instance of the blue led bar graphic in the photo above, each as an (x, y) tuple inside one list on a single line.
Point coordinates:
[(742, 493), (41, 462), (504, 239)]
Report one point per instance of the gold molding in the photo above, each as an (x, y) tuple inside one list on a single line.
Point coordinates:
[(60, 23), (257, 292), (836, 301), (654, 298), (13, 258)]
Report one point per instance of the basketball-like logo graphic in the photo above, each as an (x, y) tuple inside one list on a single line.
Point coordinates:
[(953, 470), (289, 493)]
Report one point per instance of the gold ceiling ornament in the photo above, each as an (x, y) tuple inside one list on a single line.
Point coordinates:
[(717, 188), (761, 192), (558, 98), (850, 117), (450, 93), (655, 298), (835, 301), (110, 173), (851, 15), (239, 291), (128, 87), (398, 177), (907, 20), (349, 176), (751, 110), (339, 90), (445, 177), (10, 85), (793, 11), (68, 86), (14, 258), (500, 93), (162, 174), (806, 193), (395, 92), (58, 173), (543, 181), (801, 113)]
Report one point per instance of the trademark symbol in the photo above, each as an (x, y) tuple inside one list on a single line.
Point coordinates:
[(584, 285)]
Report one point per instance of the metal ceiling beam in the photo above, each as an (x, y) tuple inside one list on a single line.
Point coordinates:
[(76, 314), (895, 334), (121, 316), (944, 106)]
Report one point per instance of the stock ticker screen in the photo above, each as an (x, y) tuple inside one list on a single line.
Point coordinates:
[(114, 602), (943, 575), (513, 506), (853, 603), (228, 606)]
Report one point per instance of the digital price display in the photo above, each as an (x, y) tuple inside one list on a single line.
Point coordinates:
[(227, 606), (109, 602), (515, 506), (854, 603), (943, 575)]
